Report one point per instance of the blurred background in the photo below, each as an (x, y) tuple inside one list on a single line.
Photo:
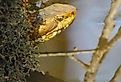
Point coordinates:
[(83, 34)]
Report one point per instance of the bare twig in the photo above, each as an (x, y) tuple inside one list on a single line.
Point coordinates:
[(117, 75), (103, 47), (109, 22), (99, 58), (85, 66), (68, 53), (112, 42)]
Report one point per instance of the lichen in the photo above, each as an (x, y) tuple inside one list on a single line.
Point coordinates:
[(16, 51)]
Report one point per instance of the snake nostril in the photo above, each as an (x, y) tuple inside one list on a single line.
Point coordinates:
[(72, 13)]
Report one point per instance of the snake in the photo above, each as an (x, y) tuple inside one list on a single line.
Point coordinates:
[(49, 21)]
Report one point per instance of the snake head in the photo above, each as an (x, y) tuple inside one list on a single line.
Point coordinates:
[(56, 18)]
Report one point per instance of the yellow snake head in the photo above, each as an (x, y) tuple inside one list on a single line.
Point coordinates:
[(56, 18)]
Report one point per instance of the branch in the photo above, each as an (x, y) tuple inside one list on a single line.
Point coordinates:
[(68, 53), (85, 66), (109, 22), (112, 42), (103, 47), (97, 60), (116, 75)]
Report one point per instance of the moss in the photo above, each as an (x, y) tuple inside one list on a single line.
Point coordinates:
[(16, 51)]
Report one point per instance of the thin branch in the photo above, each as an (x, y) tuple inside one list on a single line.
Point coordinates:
[(109, 22), (99, 58), (68, 53), (117, 75), (85, 66), (103, 48), (112, 42)]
